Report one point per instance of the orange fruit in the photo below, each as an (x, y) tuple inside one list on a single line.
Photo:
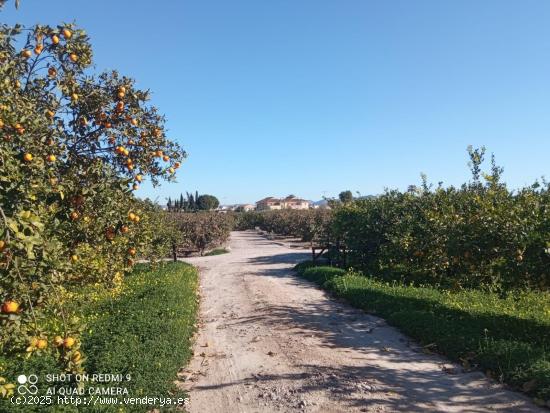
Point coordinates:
[(131, 216), (74, 215), (27, 157), (120, 106), (76, 357), (10, 307), (74, 96), (73, 57), (158, 153), (68, 342), (165, 158), (110, 235), (177, 165), (134, 122), (124, 229), (52, 72), (171, 170), (2, 245), (74, 258), (51, 158), (139, 178), (26, 53), (67, 33), (55, 39), (1, 123), (135, 187), (120, 95), (41, 343), (38, 49), (132, 251), (136, 219), (50, 114), (58, 341)]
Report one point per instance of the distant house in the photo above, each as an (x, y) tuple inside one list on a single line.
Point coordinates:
[(245, 207), (237, 207), (269, 203), (290, 202), (225, 208)]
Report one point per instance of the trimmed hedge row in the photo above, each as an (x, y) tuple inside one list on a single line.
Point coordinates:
[(309, 225), (468, 237)]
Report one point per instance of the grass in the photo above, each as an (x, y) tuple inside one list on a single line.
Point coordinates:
[(144, 332), (507, 338), (217, 251)]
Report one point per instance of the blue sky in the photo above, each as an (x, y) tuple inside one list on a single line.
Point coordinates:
[(312, 97)]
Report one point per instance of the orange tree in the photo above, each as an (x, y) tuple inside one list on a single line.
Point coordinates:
[(199, 231), (313, 225), (73, 147), (479, 235)]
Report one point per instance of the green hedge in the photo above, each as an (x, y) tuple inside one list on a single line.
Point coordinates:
[(480, 234), (144, 332), (507, 337)]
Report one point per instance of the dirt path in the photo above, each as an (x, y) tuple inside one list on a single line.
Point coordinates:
[(270, 342)]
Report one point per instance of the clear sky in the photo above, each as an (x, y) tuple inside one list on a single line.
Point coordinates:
[(312, 97)]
